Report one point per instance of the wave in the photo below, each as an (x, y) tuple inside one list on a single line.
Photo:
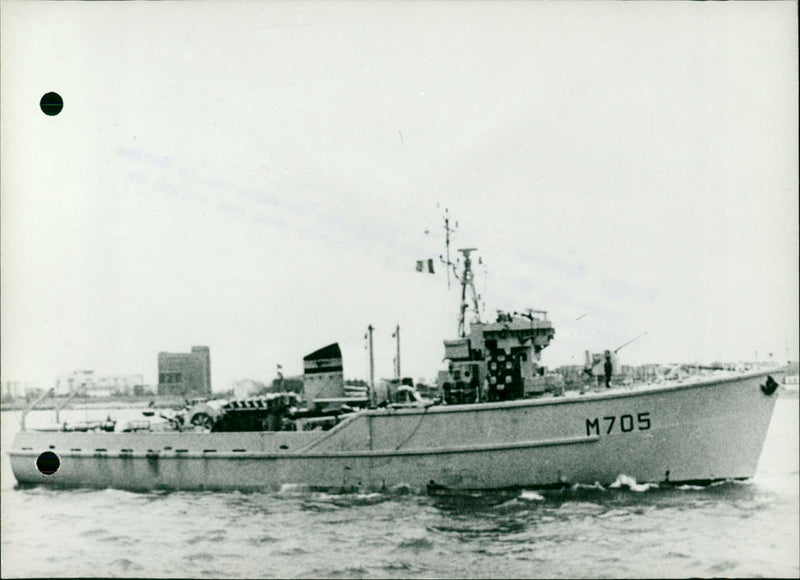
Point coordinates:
[(416, 544), (591, 486), (627, 482), (529, 495), (294, 489)]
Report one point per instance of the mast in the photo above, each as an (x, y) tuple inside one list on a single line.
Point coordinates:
[(371, 368), (447, 231), (396, 335), (280, 378), (467, 280)]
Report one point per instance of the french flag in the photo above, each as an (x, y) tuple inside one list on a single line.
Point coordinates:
[(425, 266)]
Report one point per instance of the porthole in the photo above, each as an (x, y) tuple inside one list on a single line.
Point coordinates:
[(48, 463)]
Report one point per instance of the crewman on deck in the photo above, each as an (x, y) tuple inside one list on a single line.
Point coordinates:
[(608, 367)]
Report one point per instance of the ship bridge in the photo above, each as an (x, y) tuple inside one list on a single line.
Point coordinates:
[(498, 360), (511, 332)]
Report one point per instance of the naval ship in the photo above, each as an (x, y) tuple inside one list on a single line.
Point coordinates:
[(497, 425)]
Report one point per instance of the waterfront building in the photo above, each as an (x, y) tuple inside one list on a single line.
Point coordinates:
[(19, 389), (119, 385), (86, 383), (77, 382), (185, 373)]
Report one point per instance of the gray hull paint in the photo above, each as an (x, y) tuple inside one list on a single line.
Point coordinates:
[(702, 431)]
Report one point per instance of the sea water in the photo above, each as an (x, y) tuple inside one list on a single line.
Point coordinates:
[(737, 529)]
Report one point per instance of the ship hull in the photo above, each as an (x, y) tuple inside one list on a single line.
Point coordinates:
[(703, 431)]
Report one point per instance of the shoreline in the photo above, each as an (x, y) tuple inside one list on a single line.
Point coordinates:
[(81, 403), (178, 402)]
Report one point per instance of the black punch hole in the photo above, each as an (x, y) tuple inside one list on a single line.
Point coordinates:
[(48, 463), (51, 104)]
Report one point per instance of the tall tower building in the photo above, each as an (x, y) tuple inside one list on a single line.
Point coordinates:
[(185, 373)]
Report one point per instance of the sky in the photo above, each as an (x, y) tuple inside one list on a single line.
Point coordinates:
[(261, 178)]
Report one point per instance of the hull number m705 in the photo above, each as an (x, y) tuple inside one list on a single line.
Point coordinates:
[(623, 424)]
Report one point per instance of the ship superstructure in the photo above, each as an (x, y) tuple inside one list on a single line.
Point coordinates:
[(496, 361)]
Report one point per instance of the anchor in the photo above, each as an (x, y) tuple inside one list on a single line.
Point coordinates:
[(770, 387)]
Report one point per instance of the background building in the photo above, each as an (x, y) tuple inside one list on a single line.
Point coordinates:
[(125, 385), (185, 373), (75, 382), (86, 383), (20, 390)]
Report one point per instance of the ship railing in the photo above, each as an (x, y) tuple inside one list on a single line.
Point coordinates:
[(533, 314), (529, 313)]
